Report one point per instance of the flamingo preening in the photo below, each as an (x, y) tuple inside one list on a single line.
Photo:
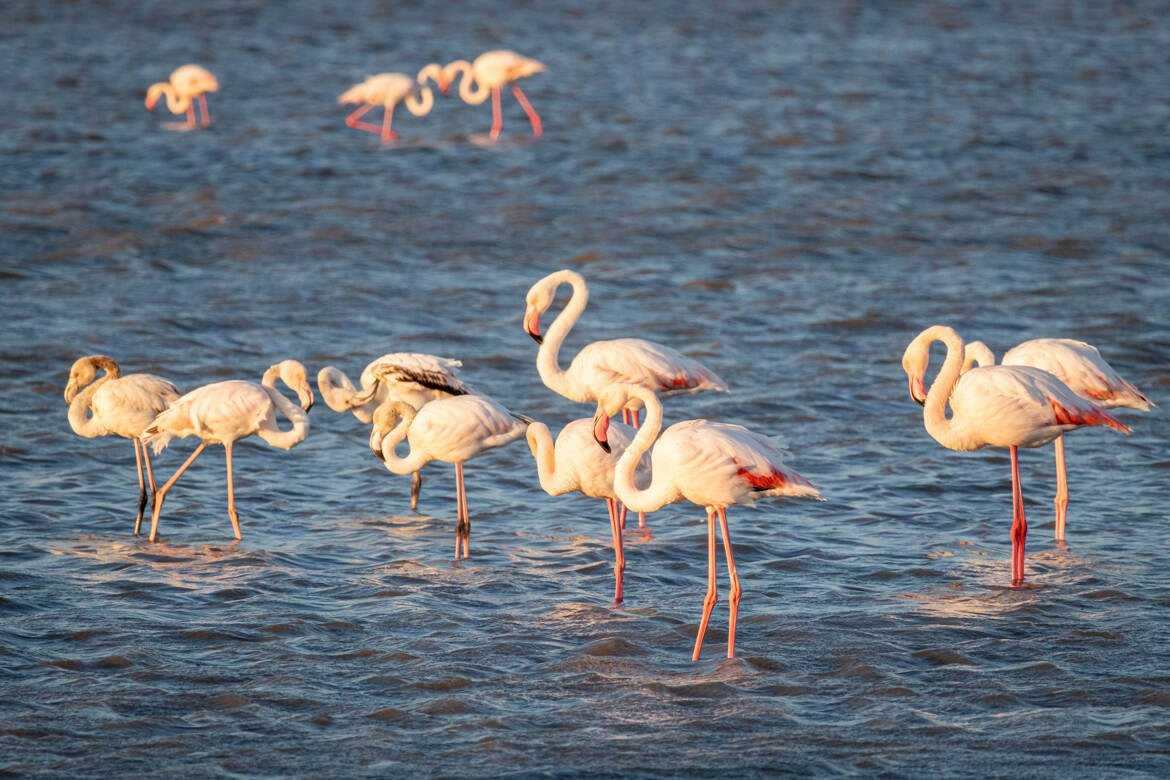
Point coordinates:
[(187, 83), (1000, 406), (118, 405), (715, 465), (386, 90), (490, 71), (222, 413), (1081, 367), (415, 378), (453, 430)]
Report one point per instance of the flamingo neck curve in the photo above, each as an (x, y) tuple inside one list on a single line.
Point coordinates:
[(420, 103), (540, 442), (177, 103), (269, 431), (464, 68), (547, 364), (946, 431), (415, 459), (658, 492)]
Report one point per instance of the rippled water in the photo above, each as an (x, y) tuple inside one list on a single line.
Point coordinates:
[(788, 193)]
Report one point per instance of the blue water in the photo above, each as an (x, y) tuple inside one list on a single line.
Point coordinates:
[(787, 193)]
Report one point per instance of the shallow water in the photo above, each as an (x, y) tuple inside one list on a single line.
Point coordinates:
[(789, 194)]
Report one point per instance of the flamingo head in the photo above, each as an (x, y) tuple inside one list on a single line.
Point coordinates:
[(294, 376), (914, 362), (977, 354), (83, 370), (539, 298), (532, 323), (386, 417), (611, 401), (601, 428)]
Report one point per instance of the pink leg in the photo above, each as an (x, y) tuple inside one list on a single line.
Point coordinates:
[(619, 557), (497, 120), (1019, 522), (190, 115), (232, 493), (388, 135), (622, 514), (735, 589), (141, 486), (711, 598), (162, 491), (415, 487), (354, 120), (203, 106), (637, 424), (153, 487), (463, 525), (532, 117), (1061, 499)]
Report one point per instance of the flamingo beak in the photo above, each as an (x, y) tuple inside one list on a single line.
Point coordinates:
[(918, 390), (376, 443), (70, 391), (306, 397), (532, 323), (601, 428)]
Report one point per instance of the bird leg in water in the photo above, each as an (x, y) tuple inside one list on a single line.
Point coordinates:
[(528, 109), (415, 487), (354, 121), (141, 486), (1061, 500), (711, 598), (619, 556), (463, 525), (235, 518), (735, 589), (162, 491), (1019, 522), (628, 416), (497, 120), (203, 106)]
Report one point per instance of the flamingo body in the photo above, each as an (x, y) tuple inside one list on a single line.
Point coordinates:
[(490, 71), (386, 90), (187, 83), (415, 378)]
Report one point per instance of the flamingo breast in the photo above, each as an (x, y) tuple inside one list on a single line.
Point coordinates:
[(127, 405)]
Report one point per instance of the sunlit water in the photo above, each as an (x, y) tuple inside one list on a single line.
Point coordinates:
[(789, 194)]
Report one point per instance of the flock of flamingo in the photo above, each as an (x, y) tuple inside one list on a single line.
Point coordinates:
[(485, 76), (1043, 389)]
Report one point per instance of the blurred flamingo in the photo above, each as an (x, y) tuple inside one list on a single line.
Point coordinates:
[(386, 90), (490, 71), (187, 83)]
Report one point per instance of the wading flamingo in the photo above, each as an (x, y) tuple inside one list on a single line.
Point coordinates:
[(415, 378), (223, 412), (453, 430), (118, 405), (187, 83), (714, 465), (1000, 406), (604, 363), (1081, 367), (490, 71), (386, 90), (575, 463)]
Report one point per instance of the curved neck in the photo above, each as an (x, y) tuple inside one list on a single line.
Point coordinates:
[(422, 103), (540, 442), (658, 493), (414, 460), (269, 431), (547, 364), (336, 388), (80, 420), (473, 96), (934, 412), (175, 103)]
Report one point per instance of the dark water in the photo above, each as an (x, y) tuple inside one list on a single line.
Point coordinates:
[(789, 193)]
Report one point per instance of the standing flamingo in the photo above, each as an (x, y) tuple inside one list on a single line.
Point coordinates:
[(415, 378), (490, 71), (223, 412), (575, 463), (603, 363), (1081, 367), (386, 90), (119, 405), (453, 430), (187, 82), (711, 464), (1001, 406)]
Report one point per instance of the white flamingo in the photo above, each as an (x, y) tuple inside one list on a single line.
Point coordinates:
[(714, 465), (120, 406), (224, 412), (575, 464), (1000, 406), (187, 83), (1081, 367), (386, 90), (603, 363), (490, 71), (415, 378), (453, 430)]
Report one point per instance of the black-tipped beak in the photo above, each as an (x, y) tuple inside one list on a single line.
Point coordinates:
[(539, 339), (603, 444)]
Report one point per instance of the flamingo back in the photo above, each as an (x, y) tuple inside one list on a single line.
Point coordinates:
[(637, 361), (385, 89), (217, 413), (128, 404), (458, 428), (1081, 367)]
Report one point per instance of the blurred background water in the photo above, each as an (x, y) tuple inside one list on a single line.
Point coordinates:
[(788, 192)]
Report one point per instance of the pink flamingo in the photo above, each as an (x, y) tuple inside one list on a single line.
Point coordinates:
[(187, 83), (1000, 406), (603, 363), (386, 90), (226, 411), (575, 463), (453, 430), (715, 465), (1081, 367), (490, 71), (119, 405)]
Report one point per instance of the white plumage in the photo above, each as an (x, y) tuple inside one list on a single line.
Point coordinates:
[(187, 83), (490, 71), (386, 90)]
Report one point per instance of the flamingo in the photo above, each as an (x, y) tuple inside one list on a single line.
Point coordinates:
[(711, 464), (1081, 367), (603, 363), (386, 90), (453, 430), (415, 378), (490, 71), (575, 463), (1000, 406), (187, 82), (119, 405), (224, 412)]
